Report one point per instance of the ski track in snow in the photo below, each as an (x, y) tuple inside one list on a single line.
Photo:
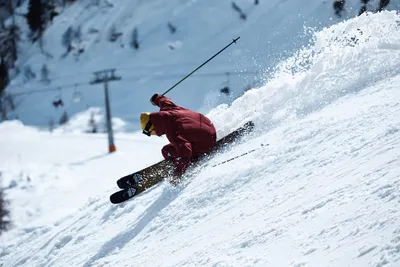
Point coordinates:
[(324, 192)]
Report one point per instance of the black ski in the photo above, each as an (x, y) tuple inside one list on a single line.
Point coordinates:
[(122, 195)]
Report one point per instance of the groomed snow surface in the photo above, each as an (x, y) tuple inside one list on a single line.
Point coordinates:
[(324, 192)]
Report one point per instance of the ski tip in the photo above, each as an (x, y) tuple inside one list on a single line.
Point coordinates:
[(123, 195), (112, 200)]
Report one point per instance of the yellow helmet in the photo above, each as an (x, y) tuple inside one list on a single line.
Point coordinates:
[(144, 121)]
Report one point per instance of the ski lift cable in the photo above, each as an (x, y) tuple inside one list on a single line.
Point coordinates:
[(199, 75), (134, 77), (47, 90), (145, 68)]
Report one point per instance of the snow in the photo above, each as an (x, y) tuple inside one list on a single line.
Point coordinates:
[(323, 192)]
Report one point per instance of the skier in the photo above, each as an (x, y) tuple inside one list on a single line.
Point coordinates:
[(191, 134)]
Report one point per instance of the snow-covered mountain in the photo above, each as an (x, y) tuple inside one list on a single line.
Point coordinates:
[(324, 192), (273, 30)]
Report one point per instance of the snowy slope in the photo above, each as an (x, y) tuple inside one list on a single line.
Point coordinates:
[(44, 167), (274, 30), (324, 192)]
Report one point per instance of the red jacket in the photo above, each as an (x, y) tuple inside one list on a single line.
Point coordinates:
[(190, 133)]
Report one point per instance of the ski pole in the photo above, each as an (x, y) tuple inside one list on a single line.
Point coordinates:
[(234, 41), (244, 154)]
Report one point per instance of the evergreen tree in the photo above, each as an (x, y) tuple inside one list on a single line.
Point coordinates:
[(35, 18), (78, 34), (51, 124), (64, 118), (134, 39), (14, 39), (9, 44), (239, 10), (28, 73), (40, 12), (4, 77), (92, 124), (383, 4), (338, 6), (112, 34), (66, 39), (171, 27), (4, 213), (45, 74), (363, 8), (5, 104), (13, 32)]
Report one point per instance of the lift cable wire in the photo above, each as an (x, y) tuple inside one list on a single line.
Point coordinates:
[(129, 78)]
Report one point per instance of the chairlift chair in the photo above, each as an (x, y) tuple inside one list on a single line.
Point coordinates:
[(226, 90), (58, 100), (76, 96)]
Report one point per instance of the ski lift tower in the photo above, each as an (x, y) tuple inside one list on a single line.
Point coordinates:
[(106, 76)]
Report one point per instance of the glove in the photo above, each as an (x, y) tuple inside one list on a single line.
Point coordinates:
[(169, 152), (153, 98)]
